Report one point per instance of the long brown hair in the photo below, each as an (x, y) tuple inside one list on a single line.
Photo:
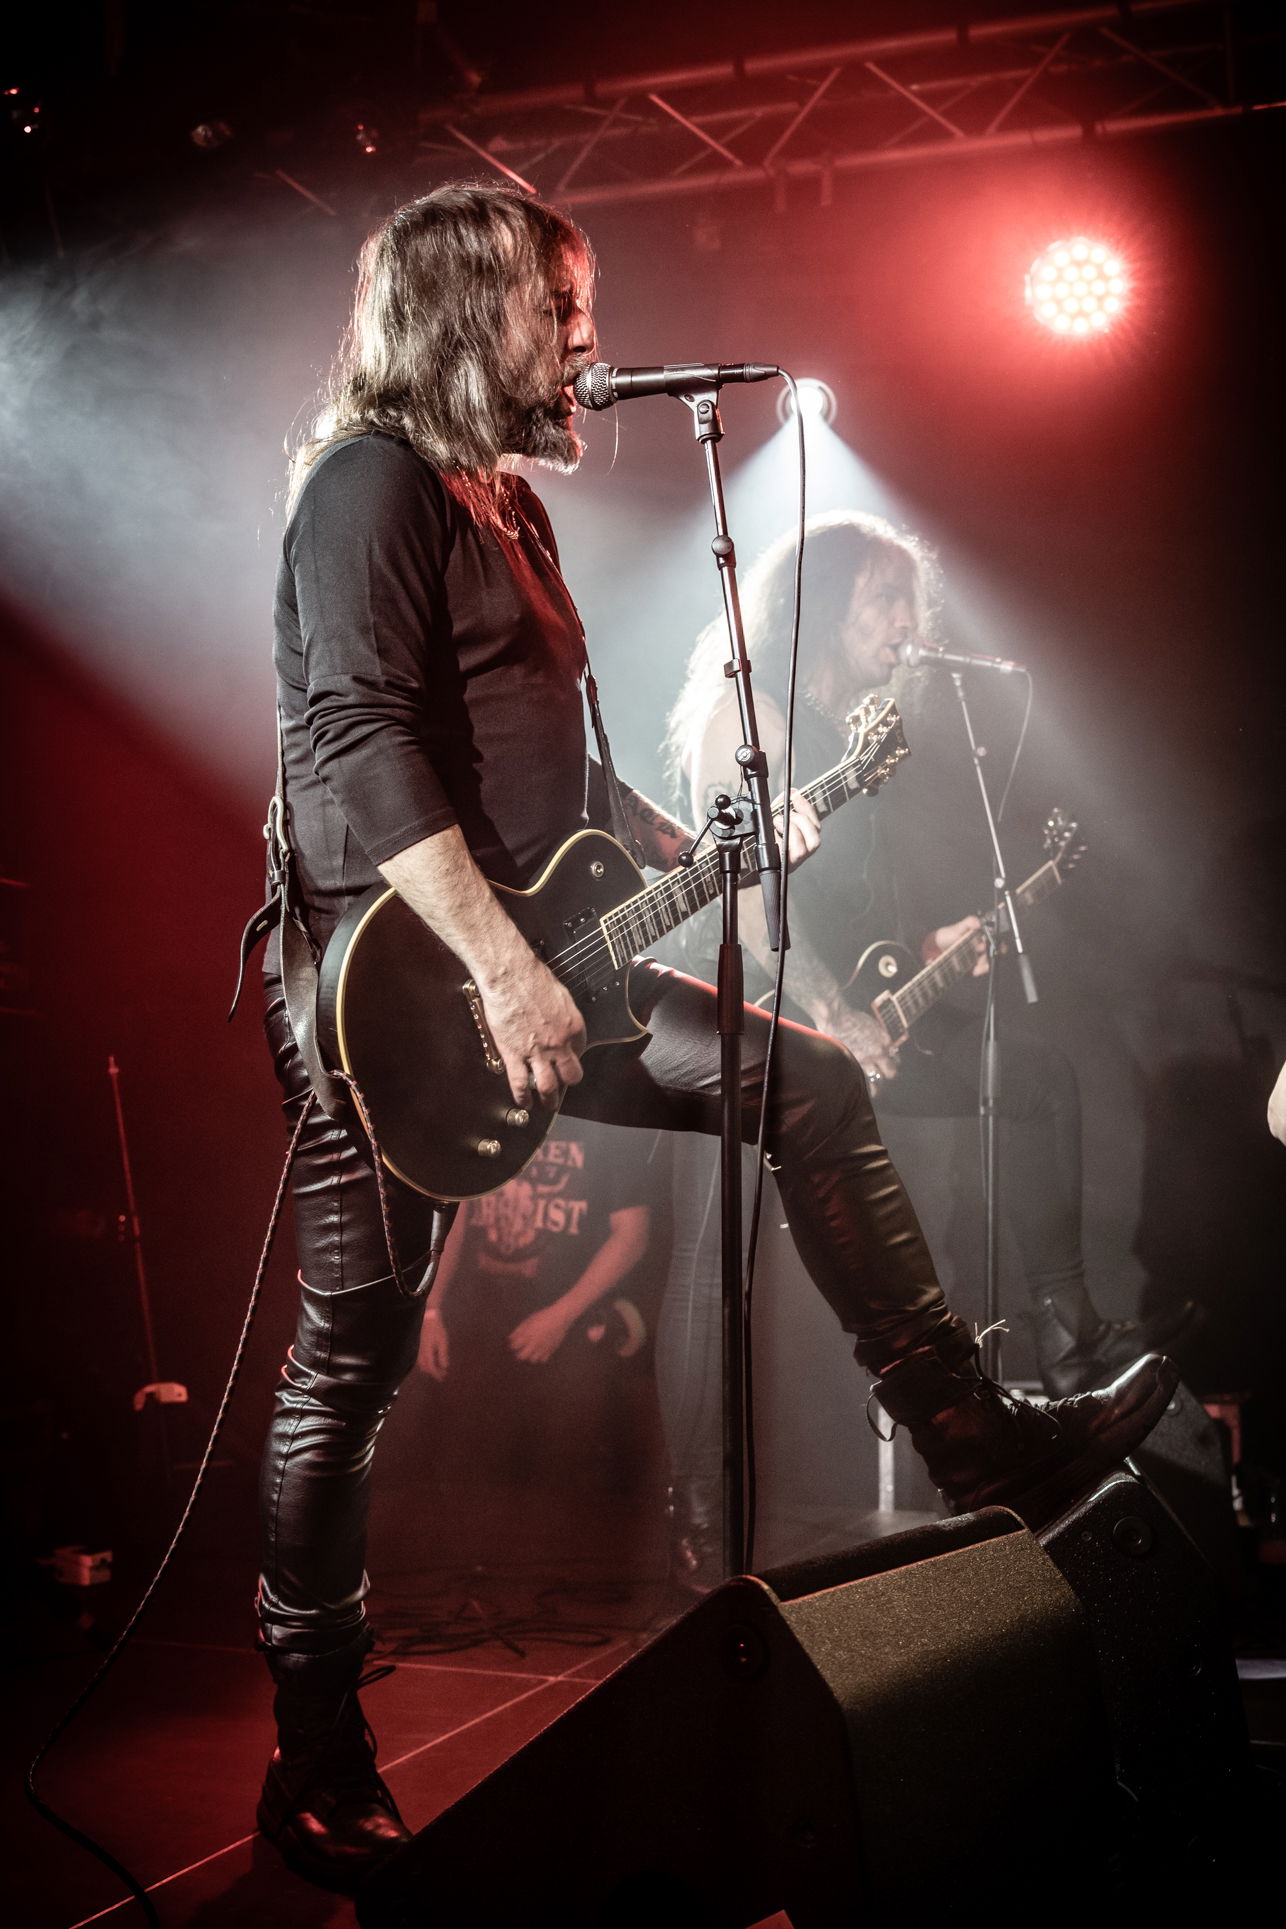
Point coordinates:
[(840, 548), (432, 352)]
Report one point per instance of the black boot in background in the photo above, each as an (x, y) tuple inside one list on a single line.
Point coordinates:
[(324, 1805), (1077, 1350), (695, 1510)]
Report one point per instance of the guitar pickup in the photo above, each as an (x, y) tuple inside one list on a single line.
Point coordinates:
[(473, 998)]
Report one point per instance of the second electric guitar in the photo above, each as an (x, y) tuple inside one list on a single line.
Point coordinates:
[(887, 980)]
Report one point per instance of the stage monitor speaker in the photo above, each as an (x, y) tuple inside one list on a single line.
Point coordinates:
[(1187, 1459), (867, 1729), (1159, 1621)]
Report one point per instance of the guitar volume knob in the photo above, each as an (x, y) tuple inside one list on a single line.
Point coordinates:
[(517, 1117), (488, 1148)]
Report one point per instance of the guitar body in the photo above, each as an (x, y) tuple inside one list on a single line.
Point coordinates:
[(890, 983), (397, 1011), (882, 969)]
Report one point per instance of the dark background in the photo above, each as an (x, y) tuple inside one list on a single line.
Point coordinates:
[(1108, 516)]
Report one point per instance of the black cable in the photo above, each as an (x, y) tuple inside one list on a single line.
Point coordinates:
[(1018, 748), (117, 1648), (993, 955), (774, 1016), (485, 1611)]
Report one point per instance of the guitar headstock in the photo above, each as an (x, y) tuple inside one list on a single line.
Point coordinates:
[(1064, 845), (877, 743)]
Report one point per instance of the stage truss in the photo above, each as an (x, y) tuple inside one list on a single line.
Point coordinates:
[(811, 115)]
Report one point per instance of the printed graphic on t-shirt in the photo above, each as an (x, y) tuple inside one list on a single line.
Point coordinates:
[(510, 1230)]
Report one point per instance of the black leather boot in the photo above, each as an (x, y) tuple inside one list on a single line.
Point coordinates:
[(1076, 1350), (983, 1448), (323, 1804)]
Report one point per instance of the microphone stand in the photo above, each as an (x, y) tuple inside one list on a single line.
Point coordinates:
[(733, 825), (1004, 917)]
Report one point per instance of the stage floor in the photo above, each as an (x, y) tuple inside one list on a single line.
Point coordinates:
[(164, 1766)]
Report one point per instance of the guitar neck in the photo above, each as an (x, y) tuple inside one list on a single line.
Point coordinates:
[(638, 923), (959, 959)]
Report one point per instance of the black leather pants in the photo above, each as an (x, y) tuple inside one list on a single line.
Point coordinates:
[(357, 1334), (1039, 1102)]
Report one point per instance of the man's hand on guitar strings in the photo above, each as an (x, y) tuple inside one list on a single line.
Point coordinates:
[(538, 1030), (868, 1041)]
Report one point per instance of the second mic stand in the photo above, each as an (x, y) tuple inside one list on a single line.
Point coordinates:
[(1004, 918), (734, 825)]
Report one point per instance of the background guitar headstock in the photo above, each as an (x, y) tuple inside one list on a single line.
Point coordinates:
[(877, 740), (1063, 843)]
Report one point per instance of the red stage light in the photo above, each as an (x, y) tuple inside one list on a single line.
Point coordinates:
[(1078, 287)]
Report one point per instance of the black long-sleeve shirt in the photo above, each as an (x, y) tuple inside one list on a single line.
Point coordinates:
[(428, 674)]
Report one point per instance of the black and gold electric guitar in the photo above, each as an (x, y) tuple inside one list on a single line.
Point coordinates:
[(398, 1011), (888, 980)]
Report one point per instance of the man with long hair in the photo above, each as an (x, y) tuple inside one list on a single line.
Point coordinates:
[(429, 663), (869, 591)]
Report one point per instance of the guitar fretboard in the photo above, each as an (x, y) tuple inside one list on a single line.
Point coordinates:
[(638, 923), (959, 959)]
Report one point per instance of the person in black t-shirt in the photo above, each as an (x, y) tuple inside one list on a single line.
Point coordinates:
[(429, 660), (526, 1319)]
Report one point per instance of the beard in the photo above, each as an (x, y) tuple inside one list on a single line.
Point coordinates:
[(538, 424), (541, 432)]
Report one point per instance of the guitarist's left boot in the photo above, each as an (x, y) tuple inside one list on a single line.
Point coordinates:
[(984, 1448), (324, 1804), (1077, 1350)]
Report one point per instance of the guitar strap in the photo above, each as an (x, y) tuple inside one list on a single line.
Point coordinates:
[(616, 805), (340, 1099), (298, 958)]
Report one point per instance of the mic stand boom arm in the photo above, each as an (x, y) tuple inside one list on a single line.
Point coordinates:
[(702, 400)]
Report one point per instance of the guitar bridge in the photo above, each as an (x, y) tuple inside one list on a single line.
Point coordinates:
[(473, 998)]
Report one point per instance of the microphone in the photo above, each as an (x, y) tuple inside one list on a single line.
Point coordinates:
[(916, 653), (601, 386)]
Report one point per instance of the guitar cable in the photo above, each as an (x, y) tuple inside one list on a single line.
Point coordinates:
[(60, 1727)]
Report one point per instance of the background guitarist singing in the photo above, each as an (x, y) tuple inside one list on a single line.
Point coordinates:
[(429, 663), (867, 592)]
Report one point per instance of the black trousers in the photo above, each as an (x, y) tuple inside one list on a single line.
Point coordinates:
[(358, 1331), (1039, 1104)]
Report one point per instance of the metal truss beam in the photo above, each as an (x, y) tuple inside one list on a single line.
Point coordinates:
[(1043, 79)]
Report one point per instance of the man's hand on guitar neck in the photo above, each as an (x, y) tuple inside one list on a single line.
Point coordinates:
[(662, 837), (948, 934)]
